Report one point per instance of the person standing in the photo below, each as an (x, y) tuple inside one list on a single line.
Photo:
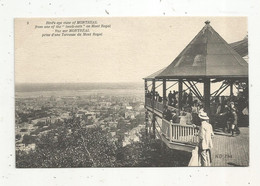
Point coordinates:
[(156, 96), (234, 119), (170, 98), (190, 99), (195, 112), (184, 98), (223, 117), (205, 140)]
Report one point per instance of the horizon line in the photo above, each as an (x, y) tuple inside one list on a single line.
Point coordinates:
[(75, 82)]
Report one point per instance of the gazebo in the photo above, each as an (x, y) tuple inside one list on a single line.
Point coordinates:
[(207, 59)]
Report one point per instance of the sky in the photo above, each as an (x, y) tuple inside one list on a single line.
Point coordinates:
[(133, 48)]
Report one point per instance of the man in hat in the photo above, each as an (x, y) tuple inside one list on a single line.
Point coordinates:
[(205, 137)]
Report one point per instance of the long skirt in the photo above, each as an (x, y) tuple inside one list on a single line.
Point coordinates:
[(200, 158), (205, 157)]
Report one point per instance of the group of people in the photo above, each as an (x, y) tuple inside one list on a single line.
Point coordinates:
[(229, 113), (226, 113), (187, 98), (154, 95), (206, 133), (226, 116), (172, 99), (187, 115)]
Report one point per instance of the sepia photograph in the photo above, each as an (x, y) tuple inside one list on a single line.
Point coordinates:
[(161, 91)]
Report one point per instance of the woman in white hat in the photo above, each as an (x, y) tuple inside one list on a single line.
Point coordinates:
[(205, 136)]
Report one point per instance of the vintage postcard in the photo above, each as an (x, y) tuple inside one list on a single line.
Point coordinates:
[(131, 92)]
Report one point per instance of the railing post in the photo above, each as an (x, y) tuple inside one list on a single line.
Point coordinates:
[(175, 132), (170, 130)]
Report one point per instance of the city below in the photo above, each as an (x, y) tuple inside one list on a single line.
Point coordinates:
[(37, 113), (86, 125)]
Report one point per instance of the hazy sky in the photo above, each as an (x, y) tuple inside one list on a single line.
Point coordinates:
[(131, 49)]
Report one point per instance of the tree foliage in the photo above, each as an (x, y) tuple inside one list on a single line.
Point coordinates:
[(149, 152), (27, 139), (62, 148), (18, 136), (69, 145)]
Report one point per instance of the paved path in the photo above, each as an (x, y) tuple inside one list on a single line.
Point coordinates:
[(231, 151)]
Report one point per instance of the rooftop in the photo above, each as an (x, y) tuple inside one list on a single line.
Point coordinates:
[(208, 55)]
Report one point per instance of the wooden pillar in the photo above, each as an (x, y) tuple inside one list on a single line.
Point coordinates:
[(164, 92), (180, 94), (153, 93), (153, 123), (231, 88), (153, 104), (145, 91), (145, 86), (146, 122), (207, 95)]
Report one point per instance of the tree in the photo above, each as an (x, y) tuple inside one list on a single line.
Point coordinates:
[(58, 148), (69, 145), (18, 136), (149, 152), (28, 139)]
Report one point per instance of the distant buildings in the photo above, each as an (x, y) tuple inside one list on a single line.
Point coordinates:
[(37, 116)]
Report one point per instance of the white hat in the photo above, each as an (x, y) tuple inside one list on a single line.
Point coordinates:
[(203, 115)]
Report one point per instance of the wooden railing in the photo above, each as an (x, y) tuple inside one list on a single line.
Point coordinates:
[(157, 105), (179, 133), (148, 102)]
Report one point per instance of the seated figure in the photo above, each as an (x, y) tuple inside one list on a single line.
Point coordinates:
[(182, 117), (188, 117)]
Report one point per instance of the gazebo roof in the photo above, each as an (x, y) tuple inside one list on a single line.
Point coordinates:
[(207, 55), (152, 76), (241, 47)]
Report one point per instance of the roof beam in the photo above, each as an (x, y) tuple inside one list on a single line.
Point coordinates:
[(172, 85)]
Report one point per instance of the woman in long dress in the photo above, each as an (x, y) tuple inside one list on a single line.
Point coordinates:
[(205, 136)]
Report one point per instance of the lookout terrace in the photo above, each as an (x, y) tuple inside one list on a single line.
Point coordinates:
[(195, 82)]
